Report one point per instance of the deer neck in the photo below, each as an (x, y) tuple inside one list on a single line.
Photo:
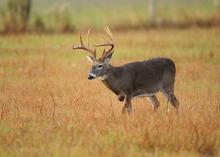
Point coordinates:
[(111, 78)]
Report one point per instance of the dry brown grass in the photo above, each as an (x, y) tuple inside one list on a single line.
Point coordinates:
[(49, 108)]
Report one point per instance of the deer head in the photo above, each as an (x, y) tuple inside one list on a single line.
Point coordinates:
[(99, 66)]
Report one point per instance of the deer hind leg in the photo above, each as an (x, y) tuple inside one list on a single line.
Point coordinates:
[(127, 106), (155, 103), (169, 94)]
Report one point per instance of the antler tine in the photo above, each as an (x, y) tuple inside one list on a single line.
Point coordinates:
[(109, 33), (81, 40), (88, 33), (107, 43), (83, 47)]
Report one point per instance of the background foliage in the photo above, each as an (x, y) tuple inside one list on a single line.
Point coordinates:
[(69, 15)]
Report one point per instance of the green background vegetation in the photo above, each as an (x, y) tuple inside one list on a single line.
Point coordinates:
[(69, 15)]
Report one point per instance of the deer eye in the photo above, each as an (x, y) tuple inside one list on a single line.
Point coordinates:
[(100, 66)]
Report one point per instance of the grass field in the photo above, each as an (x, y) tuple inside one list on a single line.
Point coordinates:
[(49, 108)]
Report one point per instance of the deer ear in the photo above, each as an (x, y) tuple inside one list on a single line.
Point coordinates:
[(90, 58), (108, 57)]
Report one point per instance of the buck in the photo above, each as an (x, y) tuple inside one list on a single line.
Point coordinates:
[(132, 80)]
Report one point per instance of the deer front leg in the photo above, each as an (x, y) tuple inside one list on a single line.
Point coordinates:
[(154, 101), (127, 106)]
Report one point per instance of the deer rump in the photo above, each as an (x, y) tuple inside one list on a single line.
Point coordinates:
[(140, 79)]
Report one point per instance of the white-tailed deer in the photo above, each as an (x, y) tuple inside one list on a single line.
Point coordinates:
[(136, 79)]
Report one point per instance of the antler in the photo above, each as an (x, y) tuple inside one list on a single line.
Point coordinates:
[(108, 43), (83, 47)]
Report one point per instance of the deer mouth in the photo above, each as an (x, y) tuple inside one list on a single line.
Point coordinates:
[(91, 76)]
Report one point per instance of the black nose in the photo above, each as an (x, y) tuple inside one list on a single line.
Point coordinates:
[(90, 77)]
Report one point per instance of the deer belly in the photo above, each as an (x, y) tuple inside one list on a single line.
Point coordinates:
[(143, 95)]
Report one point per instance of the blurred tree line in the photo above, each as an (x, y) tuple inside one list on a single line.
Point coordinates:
[(16, 19), (68, 15)]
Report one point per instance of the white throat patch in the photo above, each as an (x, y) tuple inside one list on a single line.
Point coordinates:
[(104, 77)]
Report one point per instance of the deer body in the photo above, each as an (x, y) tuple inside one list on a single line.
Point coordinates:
[(137, 79), (143, 79)]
